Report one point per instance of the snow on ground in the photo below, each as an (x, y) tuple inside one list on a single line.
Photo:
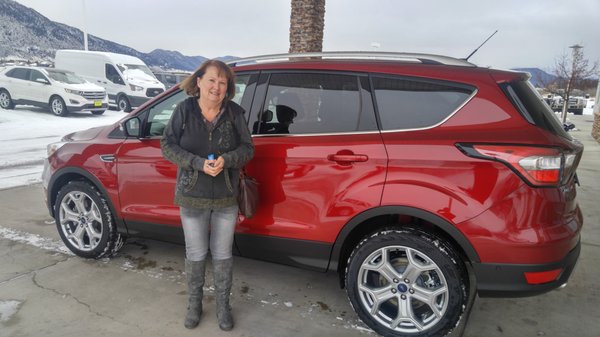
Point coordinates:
[(26, 131)]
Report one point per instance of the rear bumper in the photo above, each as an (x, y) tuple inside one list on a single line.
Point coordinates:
[(508, 280)]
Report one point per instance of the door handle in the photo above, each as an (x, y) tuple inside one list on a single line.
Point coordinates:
[(347, 159)]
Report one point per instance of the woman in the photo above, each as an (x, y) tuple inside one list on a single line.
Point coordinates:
[(208, 139)]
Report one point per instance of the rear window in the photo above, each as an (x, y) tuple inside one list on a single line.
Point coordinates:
[(406, 103), (532, 107)]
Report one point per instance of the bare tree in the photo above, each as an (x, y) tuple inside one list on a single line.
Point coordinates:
[(307, 22), (570, 73)]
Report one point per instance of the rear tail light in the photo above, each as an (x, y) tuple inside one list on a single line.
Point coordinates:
[(538, 166)]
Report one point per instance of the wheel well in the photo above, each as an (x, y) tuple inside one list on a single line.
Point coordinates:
[(392, 220), (54, 95), (62, 181), (121, 94)]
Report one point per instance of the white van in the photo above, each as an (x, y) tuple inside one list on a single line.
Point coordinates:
[(127, 79)]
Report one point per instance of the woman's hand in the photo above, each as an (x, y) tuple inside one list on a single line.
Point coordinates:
[(214, 167)]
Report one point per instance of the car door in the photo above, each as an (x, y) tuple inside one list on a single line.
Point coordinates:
[(18, 80), (113, 83), (39, 87), (146, 179), (319, 160)]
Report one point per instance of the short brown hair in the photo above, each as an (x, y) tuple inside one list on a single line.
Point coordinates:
[(189, 85)]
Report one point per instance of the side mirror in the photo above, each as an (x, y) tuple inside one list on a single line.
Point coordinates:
[(42, 80), (132, 127)]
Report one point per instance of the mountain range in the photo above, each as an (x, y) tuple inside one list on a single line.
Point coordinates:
[(26, 34)]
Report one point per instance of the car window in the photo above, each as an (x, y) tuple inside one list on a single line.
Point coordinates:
[(37, 76), (112, 74), (65, 77), (308, 103), (241, 82), (169, 80), (159, 114), (19, 73), (405, 103), (531, 105)]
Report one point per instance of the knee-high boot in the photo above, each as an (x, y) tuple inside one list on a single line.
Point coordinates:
[(194, 272), (223, 273)]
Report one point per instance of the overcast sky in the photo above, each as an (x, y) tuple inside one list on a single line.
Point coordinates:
[(531, 33)]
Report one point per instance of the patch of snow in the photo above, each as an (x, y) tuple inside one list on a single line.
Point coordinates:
[(8, 309), (34, 240), (25, 133)]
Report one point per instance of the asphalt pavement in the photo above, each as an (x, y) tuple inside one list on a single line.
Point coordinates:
[(46, 291)]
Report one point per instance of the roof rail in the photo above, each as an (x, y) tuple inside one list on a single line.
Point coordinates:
[(357, 55)]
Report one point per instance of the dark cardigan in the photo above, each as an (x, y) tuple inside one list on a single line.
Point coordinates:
[(187, 142)]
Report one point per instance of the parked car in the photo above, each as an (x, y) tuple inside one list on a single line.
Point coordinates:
[(407, 174), (170, 79), (576, 104), (60, 90)]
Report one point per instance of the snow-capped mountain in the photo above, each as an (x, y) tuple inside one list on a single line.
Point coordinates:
[(27, 35)]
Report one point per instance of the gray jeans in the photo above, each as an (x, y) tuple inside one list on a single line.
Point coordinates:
[(198, 238)]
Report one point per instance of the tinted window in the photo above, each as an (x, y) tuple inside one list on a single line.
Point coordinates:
[(113, 75), (298, 103), (411, 104), (533, 108), (20, 73)]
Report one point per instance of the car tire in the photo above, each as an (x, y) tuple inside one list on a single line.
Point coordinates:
[(58, 106), (123, 103), (85, 222), (98, 112), (404, 282), (6, 101)]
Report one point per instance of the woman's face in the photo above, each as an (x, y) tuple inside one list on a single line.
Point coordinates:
[(212, 86)]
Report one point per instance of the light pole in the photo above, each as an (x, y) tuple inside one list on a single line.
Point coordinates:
[(85, 37)]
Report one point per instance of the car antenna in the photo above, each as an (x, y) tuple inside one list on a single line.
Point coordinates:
[(476, 49)]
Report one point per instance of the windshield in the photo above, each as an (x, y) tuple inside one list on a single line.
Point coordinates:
[(65, 77), (135, 68)]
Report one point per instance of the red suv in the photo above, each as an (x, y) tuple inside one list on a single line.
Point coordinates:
[(408, 174)]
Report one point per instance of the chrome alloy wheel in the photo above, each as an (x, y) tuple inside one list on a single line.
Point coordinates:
[(80, 221), (5, 100), (402, 289), (57, 106)]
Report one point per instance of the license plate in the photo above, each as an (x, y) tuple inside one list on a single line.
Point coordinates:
[(97, 103)]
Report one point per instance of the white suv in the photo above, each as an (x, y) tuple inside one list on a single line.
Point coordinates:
[(60, 90)]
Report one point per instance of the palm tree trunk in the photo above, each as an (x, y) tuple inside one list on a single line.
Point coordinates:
[(596, 125), (307, 22)]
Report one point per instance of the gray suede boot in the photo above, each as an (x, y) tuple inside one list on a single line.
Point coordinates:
[(223, 272), (194, 273)]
